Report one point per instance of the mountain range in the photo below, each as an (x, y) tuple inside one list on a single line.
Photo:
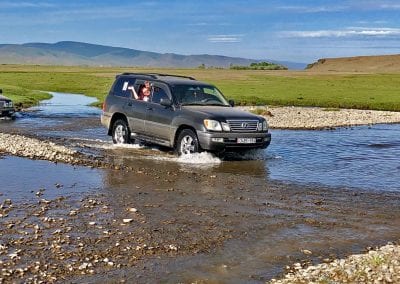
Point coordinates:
[(79, 53)]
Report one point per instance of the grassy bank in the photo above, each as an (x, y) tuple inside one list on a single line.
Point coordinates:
[(247, 87)]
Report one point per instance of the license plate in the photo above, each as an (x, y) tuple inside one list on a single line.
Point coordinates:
[(246, 140)]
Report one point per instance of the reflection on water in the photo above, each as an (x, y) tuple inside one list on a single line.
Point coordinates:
[(66, 105), (362, 157), (23, 178)]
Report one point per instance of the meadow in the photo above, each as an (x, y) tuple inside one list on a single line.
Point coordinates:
[(380, 91)]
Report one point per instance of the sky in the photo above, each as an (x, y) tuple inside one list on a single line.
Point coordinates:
[(297, 31)]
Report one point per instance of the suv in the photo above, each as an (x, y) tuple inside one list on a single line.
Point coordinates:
[(6, 106), (181, 113)]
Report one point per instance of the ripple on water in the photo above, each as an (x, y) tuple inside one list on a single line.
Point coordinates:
[(360, 157)]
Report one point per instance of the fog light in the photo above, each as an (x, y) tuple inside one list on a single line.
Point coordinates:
[(220, 140)]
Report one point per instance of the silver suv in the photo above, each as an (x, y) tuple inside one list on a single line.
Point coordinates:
[(181, 113)]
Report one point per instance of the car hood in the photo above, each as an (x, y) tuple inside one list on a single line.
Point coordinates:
[(3, 98), (217, 112)]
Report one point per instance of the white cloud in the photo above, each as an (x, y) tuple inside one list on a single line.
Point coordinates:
[(19, 5), (390, 6), (349, 32), (224, 38), (310, 9)]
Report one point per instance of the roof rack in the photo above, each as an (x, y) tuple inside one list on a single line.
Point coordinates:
[(140, 74), (156, 75), (171, 75)]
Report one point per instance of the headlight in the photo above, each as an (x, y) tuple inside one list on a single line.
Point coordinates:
[(212, 125), (10, 104), (259, 126), (265, 125)]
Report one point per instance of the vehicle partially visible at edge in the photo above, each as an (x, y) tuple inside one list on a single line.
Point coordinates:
[(181, 113), (6, 106)]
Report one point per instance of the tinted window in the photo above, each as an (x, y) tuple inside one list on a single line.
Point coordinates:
[(121, 88), (158, 94), (198, 95)]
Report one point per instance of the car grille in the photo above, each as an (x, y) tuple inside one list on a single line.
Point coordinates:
[(2, 103), (243, 125)]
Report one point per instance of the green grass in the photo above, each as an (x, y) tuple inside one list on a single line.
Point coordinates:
[(23, 96), (246, 87)]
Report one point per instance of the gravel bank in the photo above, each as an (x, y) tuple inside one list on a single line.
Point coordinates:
[(319, 118), (377, 266), (36, 149)]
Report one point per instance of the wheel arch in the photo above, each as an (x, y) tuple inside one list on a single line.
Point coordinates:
[(180, 129), (115, 117)]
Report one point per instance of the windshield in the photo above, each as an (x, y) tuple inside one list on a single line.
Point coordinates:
[(198, 95)]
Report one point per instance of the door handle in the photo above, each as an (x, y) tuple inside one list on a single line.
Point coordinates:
[(149, 108), (130, 104)]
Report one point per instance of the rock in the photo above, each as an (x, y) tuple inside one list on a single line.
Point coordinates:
[(306, 251)]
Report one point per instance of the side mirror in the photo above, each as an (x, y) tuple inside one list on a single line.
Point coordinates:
[(232, 103), (166, 102)]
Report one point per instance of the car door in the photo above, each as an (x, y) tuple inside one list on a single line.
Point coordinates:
[(159, 118), (135, 109)]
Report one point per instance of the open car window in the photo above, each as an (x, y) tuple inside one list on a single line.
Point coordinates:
[(121, 88)]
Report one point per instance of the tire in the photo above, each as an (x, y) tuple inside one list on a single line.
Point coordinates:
[(187, 143), (120, 132)]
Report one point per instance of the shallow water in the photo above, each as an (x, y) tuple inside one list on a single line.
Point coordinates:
[(23, 178), (297, 194), (360, 157)]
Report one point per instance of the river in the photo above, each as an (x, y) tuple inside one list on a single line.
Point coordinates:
[(264, 207)]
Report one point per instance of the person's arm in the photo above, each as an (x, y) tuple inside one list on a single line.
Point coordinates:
[(133, 92)]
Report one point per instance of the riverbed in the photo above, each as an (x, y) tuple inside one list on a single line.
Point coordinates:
[(237, 219)]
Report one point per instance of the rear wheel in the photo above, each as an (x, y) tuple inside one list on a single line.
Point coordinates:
[(120, 132), (187, 142)]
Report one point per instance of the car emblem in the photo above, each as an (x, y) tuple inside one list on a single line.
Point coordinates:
[(244, 125)]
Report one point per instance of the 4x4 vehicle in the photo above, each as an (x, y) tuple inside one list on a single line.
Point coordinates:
[(181, 113), (6, 106)]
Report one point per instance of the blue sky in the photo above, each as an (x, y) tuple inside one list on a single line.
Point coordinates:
[(300, 31)]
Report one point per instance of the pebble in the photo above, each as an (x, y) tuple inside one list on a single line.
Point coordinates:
[(316, 118), (376, 266)]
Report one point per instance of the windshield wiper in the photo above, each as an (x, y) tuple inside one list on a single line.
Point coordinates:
[(191, 104), (216, 105)]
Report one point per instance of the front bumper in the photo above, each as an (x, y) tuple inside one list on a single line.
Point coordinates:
[(7, 112), (208, 141)]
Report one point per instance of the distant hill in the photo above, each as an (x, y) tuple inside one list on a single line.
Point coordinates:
[(79, 53), (381, 63)]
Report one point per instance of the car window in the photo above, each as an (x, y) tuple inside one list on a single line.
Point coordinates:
[(198, 95), (122, 87), (158, 94)]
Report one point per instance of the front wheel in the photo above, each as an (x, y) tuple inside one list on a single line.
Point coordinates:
[(187, 143), (120, 132)]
